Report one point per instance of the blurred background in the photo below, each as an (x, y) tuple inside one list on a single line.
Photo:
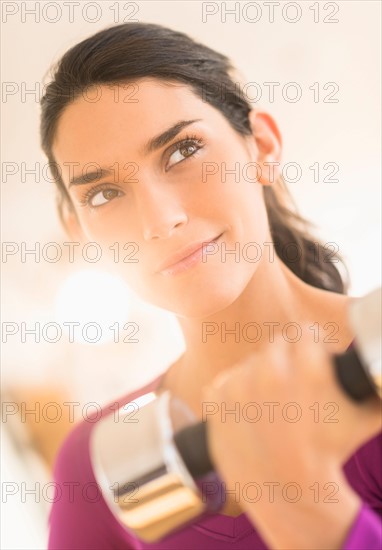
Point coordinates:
[(335, 42)]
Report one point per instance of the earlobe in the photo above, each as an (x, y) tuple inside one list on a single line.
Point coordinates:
[(269, 144)]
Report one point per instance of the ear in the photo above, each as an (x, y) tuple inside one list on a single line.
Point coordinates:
[(269, 145)]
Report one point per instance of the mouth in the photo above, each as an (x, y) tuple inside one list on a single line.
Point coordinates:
[(186, 257)]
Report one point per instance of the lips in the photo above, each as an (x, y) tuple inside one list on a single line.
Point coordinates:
[(184, 253)]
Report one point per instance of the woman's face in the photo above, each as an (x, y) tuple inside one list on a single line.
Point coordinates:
[(166, 197)]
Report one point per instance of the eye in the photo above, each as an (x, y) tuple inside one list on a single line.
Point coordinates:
[(98, 196), (184, 149), (103, 196)]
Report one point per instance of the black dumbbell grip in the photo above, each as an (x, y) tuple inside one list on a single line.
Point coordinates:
[(192, 440), (353, 376), (192, 445)]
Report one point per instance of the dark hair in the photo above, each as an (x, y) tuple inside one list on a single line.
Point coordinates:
[(124, 53)]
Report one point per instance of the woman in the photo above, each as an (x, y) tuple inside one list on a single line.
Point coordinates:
[(158, 120)]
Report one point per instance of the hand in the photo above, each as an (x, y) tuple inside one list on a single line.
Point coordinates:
[(314, 429)]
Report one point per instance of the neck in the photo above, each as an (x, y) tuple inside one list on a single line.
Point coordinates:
[(275, 299)]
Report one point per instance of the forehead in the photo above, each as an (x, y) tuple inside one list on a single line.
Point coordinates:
[(124, 116)]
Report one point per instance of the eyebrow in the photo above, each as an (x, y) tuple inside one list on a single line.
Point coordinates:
[(152, 145)]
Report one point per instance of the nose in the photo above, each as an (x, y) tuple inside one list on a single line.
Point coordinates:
[(161, 213)]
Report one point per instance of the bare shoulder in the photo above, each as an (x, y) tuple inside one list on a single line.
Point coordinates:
[(168, 378)]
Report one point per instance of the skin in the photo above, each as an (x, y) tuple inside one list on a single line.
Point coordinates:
[(309, 452), (169, 207)]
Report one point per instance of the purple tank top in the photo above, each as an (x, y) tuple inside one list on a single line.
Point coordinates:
[(80, 519)]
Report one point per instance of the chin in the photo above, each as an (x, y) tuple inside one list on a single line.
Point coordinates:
[(197, 309), (201, 297)]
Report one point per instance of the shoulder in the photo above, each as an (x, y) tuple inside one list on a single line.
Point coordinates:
[(364, 473), (79, 517)]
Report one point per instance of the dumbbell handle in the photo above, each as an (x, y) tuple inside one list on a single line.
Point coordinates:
[(192, 440)]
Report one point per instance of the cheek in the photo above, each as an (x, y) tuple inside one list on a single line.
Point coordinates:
[(114, 232), (236, 201), (233, 178), (119, 255)]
